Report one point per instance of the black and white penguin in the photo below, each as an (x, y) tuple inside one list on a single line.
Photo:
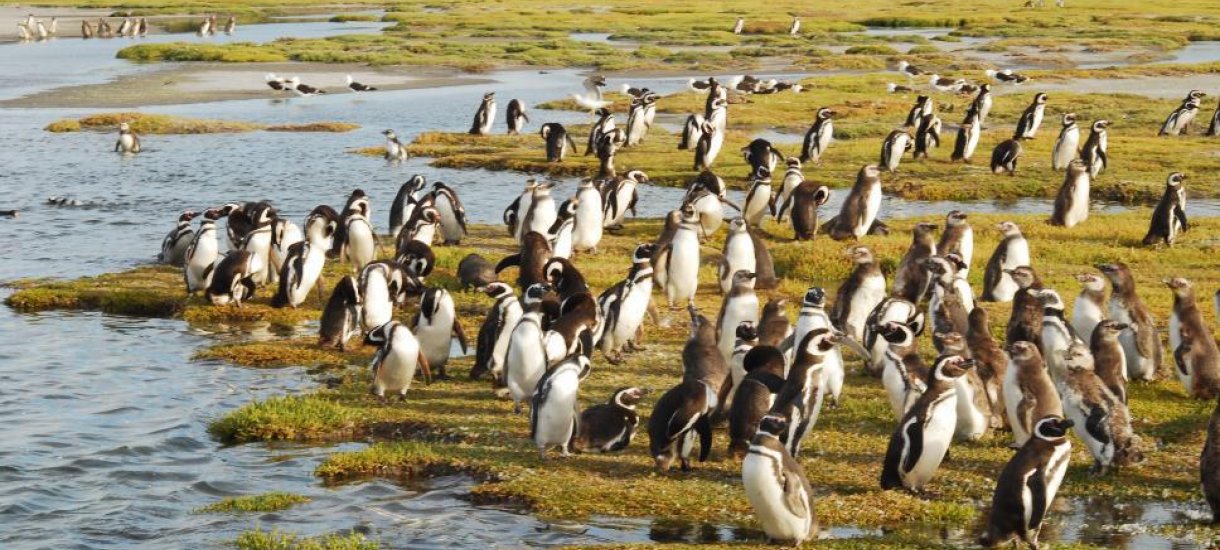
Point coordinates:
[(795, 28), (859, 294), (740, 305), (394, 149), (792, 179), (739, 25), (804, 389), (173, 247), (1029, 393), (1005, 156), (602, 126), (1169, 217), (1066, 145), (540, 213), (484, 116), (1027, 485), (858, 215), (777, 488), (737, 253), (760, 200), (680, 415), (982, 103), (802, 205), (396, 361), (890, 310), (201, 253), (554, 410), (811, 317), (359, 244), (1089, 308), (1101, 419), (678, 260), (1094, 151), (1108, 360), (923, 106), (922, 437), (637, 127), (1072, 200), (894, 147), (1190, 340), (911, 278), (495, 332), (711, 139), (927, 135), (1012, 252), (380, 284), (1178, 122), (356, 86), (760, 154), (609, 427), (624, 305), (435, 325), (967, 136), (589, 218), (516, 119), (558, 142), (609, 144), (949, 305), (405, 203), (341, 316), (233, 279), (1031, 118), (1213, 128), (957, 238), (1141, 344), (525, 358), (1057, 335), (453, 214), (904, 375), (818, 137), (535, 252), (128, 142), (761, 380)]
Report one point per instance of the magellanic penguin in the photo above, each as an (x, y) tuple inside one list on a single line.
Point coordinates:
[(858, 215), (1012, 252), (1108, 360), (1190, 340), (1178, 121), (302, 266), (474, 271), (889, 310), (602, 126), (589, 218), (1065, 150), (1027, 485), (397, 358), (818, 137), (922, 437), (525, 359), (619, 195), (760, 200), (678, 260), (802, 206), (1090, 306), (1102, 420), (760, 154), (559, 143), (485, 115), (128, 142), (948, 307), (773, 326), (173, 247), (1057, 335), (284, 234), (1031, 119), (453, 215), (792, 179), (1094, 151), (1026, 316), (492, 341), (746, 340), (405, 203), (764, 266), (678, 416), (360, 242), (975, 406), (957, 238), (341, 317), (859, 294), (894, 147), (381, 283), (233, 279), (763, 378), (1005, 156), (1169, 217), (1029, 393), (923, 106), (967, 136), (737, 254), (1142, 343), (991, 364), (394, 149), (911, 279), (201, 254), (711, 139), (982, 102), (624, 305), (1209, 465), (927, 136), (1072, 201), (609, 427), (258, 241), (435, 325), (560, 232), (516, 119), (811, 318), (636, 128), (800, 399), (1213, 129), (554, 410), (777, 488), (538, 213)]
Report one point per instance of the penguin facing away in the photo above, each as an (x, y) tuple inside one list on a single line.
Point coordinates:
[(756, 391), (516, 119), (680, 415), (341, 316), (554, 412), (1029, 393)]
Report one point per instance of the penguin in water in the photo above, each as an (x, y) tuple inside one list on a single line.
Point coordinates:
[(1072, 201), (589, 218), (1102, 420), (859, 294), (233, 279), (761, 154), (525, 359), (1108, 360), (554, 410), (957, 238), (396, 360), (453, 215), (435, 325), (740, 305), (1090, 306), (922, 438), (1031, 118), (341, 316), (1169, 217), (624, 305), (737, 254), (1005, 156), (484, 116), (558, 142), (1094, 151), (858, 215), (927, 135), (1027, 485), (893, 148), (762, 378), (1178, 122), (680, 415), (776, 486), (678, 260), (1065, 150), (492, 341), (1141, 344), (619, 195), (1012, 252), (405, 203), (1029, 393), (302, 267), (175, 244), (818, 137), (967, 136), (760, 200), (1190, 339), (911, 279), (803, 203), (201, 254), (128, 142), (394, 149), (516, 119), (609, 427)]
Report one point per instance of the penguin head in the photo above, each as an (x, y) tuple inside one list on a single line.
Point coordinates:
[(535, 293), (689, 214), (826, 113), (1112, 271), (380, 335), (554, 270), (489, 96), (212, 214), (124, 127), (793, 163), (896, 334), (1196, 94), (1110, 328), (637, 175), (939, 268), (1180, 286), (1052, 428), (775, 308), (949, 367), (762, 174), (1022, 350), (1040, 98), (820, 341), (815, 297), (923, 230), (860, 254), (1077, 357), (1048, 298), (746, 332), (868, 172), (1090, 281), (497, 290), (772, 425), (1069, 119), (348, 288), (737, 225), (1023, 275), (263, 214), (1101, 125), (957, 262), (387, 132), (187, 215), (1008, 228), (643, 253), (1076, 168), (1175, 179), (955, 218), (627, 398), (952, 342)]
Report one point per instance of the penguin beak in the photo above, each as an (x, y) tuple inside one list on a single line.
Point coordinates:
[(968, 364), (1066, 423)]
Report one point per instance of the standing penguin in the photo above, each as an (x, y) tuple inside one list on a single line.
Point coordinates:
[(927, 135), (859, 294), (1057, 336), (893, 148), (803, 205), (1012, 252), (394, 149), (405, 203), (1027, 485), (525, 359), (948, 307), (1101, 418), (792, 179), (800, 399), (341, 316), (679, 260), (485, 115), (233, 278), (176, 242), (891, 309), (760, 200), (911, 279), (1141, 344), (554, 409), (1072, 201), (589, 221), (1108, 360), (624, 305), (1213, 129), (1209, 465), (1066, 144), (761, 154), (1169, 217), (982, 103), (922, 438), (1031, 119), (776, 486), (1029, 393), (516, 119), (558, 142), (1090, 306), (904, 375), (1025, 319), (452, 214), (436, 324), (858, 215), (967, 136), (762, 378), (1094, 151), (818, 137), (1190, 339), (360, 243), (497, 328), (637, 126), (1178, 121), (991, 364), (737, 254), (708, 147), (923, 106), (128, 142), (1005, 156), (619, 195), (602, 126), (201, 254), (678, 416), (607, 146), (957, 238), (609, 427), (811, 318), (740, 305), (396, 360)]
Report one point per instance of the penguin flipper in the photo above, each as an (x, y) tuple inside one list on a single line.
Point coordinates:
[(913, 431), (796, 497), (1180, 214), (461, 336), (508, 261), (890, 479), (703, 427), (1096, 424), (1036, 485)]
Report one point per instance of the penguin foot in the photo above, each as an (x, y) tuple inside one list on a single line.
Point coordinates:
[(542, 454)]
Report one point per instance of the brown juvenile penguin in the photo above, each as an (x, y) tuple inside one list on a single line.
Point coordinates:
[(1209, 465), (1141, 344), (773, 326), (764, 365), (1108, 360), (1194, 349), (1025, 322), (991, 363), (911, 279), (1102, 421), (1029, 393)]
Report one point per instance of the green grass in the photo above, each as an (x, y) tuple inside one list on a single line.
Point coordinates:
[(266, 502), (278, 540), (143, 123)]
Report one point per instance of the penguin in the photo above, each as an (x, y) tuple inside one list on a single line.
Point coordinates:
[(231, 25), (525, 358), (516, 119), (819, 136), (341, 316), (1213, 129), (893, 148), (233, 279), (1065, 150), (258, 242), (1094, 151), (495, 332), (811, 317), (589, 218), (1101, 419), (356, 86), (1012, 252), (764, 266), (1141, 343), (86, 30), (679, 415), (1169, 217), (737, 254), (609, 427), (484, 116), (982, 103), (1029, 393), (1031, 118), (991, 364), (435, 325), (554, 411), (360, 242), (637, 126), (284, 234), (474, 271), (863, 289), (304, 260), (201, 254), (514, 214), (1005, 156), (394, 149), (967, 137), (602, 126), (762, 379), (804, 389), (607, 147), (1090, 306), (948, 308), (803, 203), (792, 179), (541, 213), (701, 360), (1072, 201), (624, 305), (379, 284), (927, 135), (958, 238), (405, 203), (530, 261), (692, 131), (761, 154), (773, 326), (1190, 339), (739, 25), (560, 232), (923, 106), (795, 28), (777, 488), (891, 309), (922, 437), (142, 30), (1209, 465), (911, 279), (558, 142), (975, 412), (453, 214), (1026, 487), (1178, 122), (1025, 319), (176, 242), (708, 147), (746, 340), (679, 260), (858, 215), (760, 200), (740, 305), (397, 358), (128, 142), (619, 195), (1108, 360), (1057, 336)]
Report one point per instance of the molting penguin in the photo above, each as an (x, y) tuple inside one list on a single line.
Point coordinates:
[(535, 252), (1065, 150), (128, 142), (976, 411), (453, 214), (515, 117), (1029, 393), (776, 486), (737, 254), (1169, 217), (485, 115), (435, 325), (624, 305), (893, 148), (1101, 419), (554, 409), (760, 200), (679, 415), (589, 218), (1090, 306), (1178, 121), (1012, 252), (394, 149), (1025, 319), (859, 294), (761, 154), (405, 203), (949, 306), (558, 142), (173, 247), (1005, 156), (922, 438), (991, 364), (818, 137), (609, 427), (762, 379), (1141, 344), (341, 316), (800, 398), (911, 278), (1031, 119), (957, 238), (492, 341), (474, 271), (1057, 336), (525, 359), (764, 267), (396, 360), (1094, 151), (201, 254), (1108, 360), (967, 136), (802, 204), (1190, 339), (1072, 201), (1028, 484), (858, 215)]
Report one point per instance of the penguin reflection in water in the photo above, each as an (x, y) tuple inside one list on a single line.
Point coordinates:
[(1028, 484), (776, 486)]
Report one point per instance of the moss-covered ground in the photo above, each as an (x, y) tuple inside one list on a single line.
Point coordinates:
[(144, 123)]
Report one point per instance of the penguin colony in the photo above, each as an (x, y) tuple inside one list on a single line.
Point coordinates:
[(747, 367)]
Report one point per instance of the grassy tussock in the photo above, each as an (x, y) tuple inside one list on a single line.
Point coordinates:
[(278, 540), (152, 124), (266, 502), (333, 127)]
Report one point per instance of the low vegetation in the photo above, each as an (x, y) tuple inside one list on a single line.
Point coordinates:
[(278, 540), (144, 123), (266, 502)]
